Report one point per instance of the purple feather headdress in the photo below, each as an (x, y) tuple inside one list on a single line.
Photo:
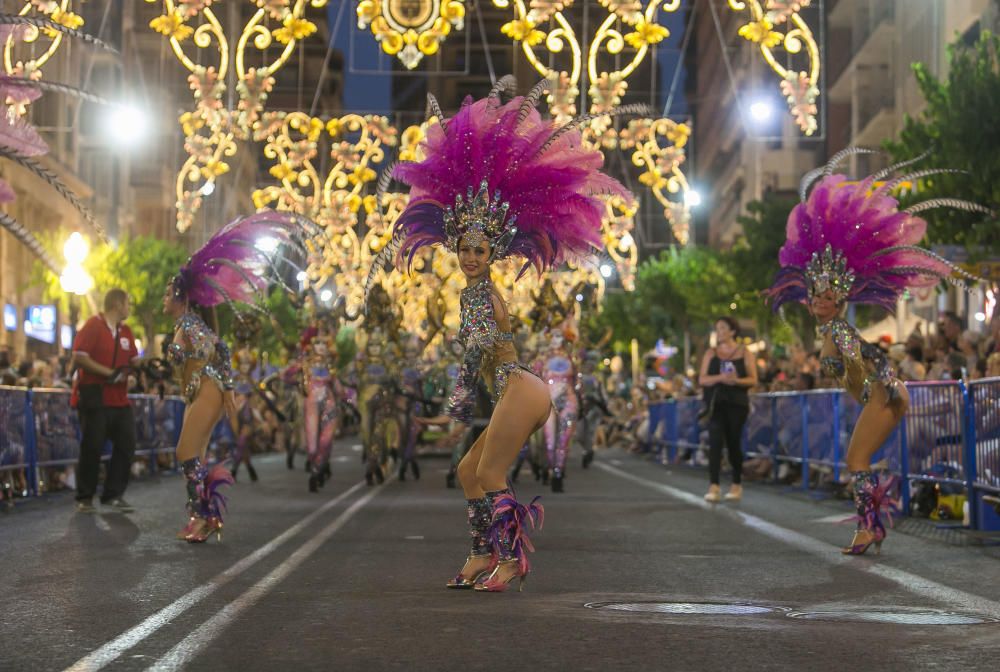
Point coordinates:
[(852, 238), (501, 173), (237, 263)]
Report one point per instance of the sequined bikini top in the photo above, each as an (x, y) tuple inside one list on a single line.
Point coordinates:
[(859, 364)]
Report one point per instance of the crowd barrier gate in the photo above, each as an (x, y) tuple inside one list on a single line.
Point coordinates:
[(950, 436)]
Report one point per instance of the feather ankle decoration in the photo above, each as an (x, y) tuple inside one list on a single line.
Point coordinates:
[(509, 530)]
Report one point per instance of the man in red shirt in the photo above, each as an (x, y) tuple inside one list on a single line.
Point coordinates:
[(102, 350)]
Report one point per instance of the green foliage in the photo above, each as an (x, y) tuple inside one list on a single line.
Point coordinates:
[(682, 290), (959, 125), (141, 266), (753, 260)]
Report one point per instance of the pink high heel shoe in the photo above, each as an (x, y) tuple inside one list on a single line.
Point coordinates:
[(494, 584)]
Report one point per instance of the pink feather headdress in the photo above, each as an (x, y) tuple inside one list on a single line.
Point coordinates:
[(852, 238), (238, 263), (501, 173)]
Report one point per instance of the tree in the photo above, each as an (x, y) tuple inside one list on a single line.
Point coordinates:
[(679, 293), (959, 126), (753, 261), (141, 266)]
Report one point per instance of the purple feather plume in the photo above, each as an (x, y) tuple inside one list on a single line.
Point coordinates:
[(864, 226), (511, 522), (554, 194), (211, 501), (879, 503), (233, 264)]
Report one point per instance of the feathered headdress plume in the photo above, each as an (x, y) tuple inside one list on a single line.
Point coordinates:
[(501, 173), (237, 263), (852, 238)]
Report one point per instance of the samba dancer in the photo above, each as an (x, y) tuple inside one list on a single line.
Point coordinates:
[(559, 373), (228, 268), (849, 242), (498, 181)]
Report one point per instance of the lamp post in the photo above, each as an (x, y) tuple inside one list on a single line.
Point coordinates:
[(74, 279)]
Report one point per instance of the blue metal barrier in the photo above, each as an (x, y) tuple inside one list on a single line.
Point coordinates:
[(950, 436), (984, 424), (38, 429)]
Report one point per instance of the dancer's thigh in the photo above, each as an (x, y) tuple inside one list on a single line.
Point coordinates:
[(468, 467), (875, 425), (200, 419), (523, 410)]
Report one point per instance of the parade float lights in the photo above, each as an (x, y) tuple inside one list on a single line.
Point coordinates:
[(692, 198), (606, 270)]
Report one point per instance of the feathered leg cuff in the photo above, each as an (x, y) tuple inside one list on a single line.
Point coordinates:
[(511, 522)]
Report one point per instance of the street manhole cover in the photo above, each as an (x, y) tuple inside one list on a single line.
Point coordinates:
[(895, 617), (709, 608)]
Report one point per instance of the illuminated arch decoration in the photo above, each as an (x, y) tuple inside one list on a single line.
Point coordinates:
[(354, 146), (411, 29), (656, 145), (547, 36), (44, 40), (778, 24), (212, 132)]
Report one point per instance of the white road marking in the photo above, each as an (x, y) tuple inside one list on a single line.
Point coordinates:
[(416, 537), (201, 636), (913, 583), (125, 641)]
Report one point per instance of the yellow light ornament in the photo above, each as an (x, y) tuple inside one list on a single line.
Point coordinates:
[(411, 29), (213, 132)]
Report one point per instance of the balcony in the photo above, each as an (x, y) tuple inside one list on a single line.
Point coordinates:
[(876, 120)]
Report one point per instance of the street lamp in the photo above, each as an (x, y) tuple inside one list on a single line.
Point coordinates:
[(75, 280), (692, 198), (127, 125)]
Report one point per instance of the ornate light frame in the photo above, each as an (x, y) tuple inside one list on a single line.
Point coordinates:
[(212, 132), (410, 38)]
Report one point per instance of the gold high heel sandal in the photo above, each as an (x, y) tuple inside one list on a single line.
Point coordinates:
[(493, 584), (465, 582), (857, 548)]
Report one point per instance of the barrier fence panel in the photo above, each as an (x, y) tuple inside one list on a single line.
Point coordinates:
[(57, 428), (936, 433), (13, 437), (985, 402), (758, 434)]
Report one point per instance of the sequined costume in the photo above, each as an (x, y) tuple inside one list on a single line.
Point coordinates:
[(856, 363), (321, 415), (232, 268), (410, 403), (379, 430), (851, 242), (248, 425), (560, 375), (489, 350), (593, 407), (199, 354), (497, 177)]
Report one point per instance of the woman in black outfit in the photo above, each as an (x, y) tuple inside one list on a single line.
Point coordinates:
[(728, 371)]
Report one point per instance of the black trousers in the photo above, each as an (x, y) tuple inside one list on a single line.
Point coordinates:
[(98, 426), (726, 428)]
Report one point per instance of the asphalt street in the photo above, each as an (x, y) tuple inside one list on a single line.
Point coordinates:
[(633, 572)]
